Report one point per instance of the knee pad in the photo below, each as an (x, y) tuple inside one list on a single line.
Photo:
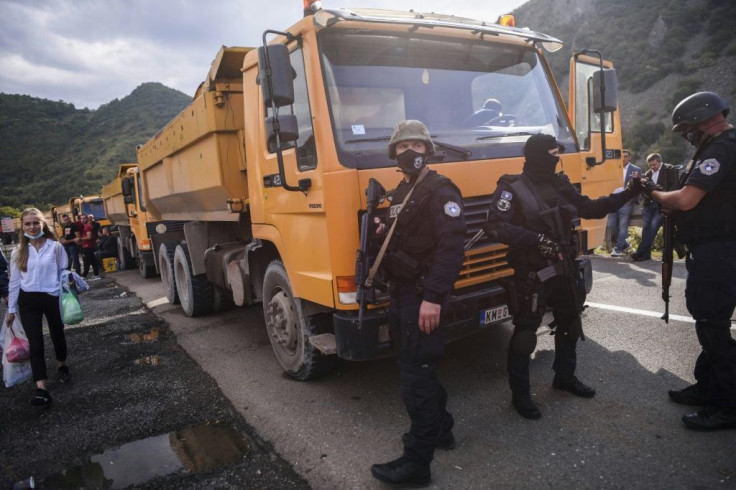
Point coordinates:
[(523, 342)]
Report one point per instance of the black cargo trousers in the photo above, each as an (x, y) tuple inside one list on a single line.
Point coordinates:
[(417, 354), (710, 294), (533, 298)]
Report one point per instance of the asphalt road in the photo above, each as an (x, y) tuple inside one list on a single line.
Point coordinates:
[(220, 370), (629, 436)]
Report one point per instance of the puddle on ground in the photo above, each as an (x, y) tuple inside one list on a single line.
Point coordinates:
[(150, 360), (151, 336), (194, 449)]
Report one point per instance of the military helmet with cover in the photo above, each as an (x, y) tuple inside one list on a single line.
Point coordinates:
[(410, 129), (697, 108)]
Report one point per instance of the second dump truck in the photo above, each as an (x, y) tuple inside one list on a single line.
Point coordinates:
[(258, 187)]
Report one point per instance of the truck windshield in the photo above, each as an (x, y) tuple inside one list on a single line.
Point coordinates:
[(95, 208), (479, 99)]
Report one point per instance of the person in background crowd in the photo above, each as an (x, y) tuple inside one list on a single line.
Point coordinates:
[(618, 221), (96, 227), (35, 266), (526, 213), (88, 249), (704, 210), (107, 245), (71, 239), (3, 278), (665, 176), (422, 262)]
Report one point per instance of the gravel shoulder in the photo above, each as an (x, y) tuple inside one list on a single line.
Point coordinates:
[(133, 387)]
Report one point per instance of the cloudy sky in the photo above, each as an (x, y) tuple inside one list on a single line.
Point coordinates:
[(89, 52)]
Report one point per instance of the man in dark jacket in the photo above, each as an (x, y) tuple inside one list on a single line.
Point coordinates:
[(665, 176), (107, 245), (3, 277), (533, 213)]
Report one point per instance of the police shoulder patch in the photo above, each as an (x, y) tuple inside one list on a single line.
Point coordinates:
[(506, 195), (709, 166), (452, 209), (503, 205)]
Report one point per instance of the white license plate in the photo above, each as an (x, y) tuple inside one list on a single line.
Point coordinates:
[(494, 315)]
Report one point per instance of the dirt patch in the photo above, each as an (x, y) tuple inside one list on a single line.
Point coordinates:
[(115, 399)]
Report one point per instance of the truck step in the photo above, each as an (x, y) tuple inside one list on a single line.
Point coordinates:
[(325, 343)]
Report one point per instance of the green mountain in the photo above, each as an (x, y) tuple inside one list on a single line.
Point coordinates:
[(663, 50), (52, 151)]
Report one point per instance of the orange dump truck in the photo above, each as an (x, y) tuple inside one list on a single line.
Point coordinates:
[(124, 209), (258, 187)]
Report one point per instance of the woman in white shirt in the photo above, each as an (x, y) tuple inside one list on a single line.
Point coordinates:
[(35, 266)]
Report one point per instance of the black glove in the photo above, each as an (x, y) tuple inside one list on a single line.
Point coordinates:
[(547, 247), (634, 184), (648, 186)]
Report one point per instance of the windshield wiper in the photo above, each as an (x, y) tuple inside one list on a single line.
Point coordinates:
[(503, 135), (457, 149)]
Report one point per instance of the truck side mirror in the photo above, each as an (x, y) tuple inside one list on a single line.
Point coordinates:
[(275, 72), (288, 129), (605, 90), (126, 185)]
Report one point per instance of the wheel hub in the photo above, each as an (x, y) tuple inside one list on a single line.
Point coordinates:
[(282, 322)]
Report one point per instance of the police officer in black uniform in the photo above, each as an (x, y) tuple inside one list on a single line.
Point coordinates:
[(705, 222), (424, 256), (520, 215)]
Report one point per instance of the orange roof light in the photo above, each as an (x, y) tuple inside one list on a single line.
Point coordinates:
[(504, 20), (311, 6)]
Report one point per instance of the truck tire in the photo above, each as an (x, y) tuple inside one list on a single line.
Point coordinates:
[(126, 260), (288, 330), (166, 266), (146, 267), (195, 292)]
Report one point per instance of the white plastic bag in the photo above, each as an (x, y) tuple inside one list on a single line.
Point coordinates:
[(15, 373)]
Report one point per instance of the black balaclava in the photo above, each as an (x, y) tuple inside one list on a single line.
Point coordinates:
[(539, 163)]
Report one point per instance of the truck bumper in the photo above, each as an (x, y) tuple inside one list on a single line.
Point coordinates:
[(372, 339)]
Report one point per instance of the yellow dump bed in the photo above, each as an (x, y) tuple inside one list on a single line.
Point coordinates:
[(112, 197), (196, 163)]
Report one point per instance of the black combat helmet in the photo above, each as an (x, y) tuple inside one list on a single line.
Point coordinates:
[(697, 108)]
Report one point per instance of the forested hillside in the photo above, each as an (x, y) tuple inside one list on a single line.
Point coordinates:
[(663, 50), (52, 151)]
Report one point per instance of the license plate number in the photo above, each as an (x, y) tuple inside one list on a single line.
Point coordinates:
[(494, 315)]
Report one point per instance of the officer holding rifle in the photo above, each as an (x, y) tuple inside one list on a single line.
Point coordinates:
[(423, 244), (533, 212), (704, 212)]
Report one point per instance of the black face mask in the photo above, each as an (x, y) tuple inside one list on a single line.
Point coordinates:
[(411, 162)]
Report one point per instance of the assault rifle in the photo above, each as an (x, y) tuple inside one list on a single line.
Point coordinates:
[(667, 260), (374, 195), (569, 267)]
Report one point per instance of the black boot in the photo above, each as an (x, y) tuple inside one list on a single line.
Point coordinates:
[(574, 386), (711, 418), (403, 472), (692, 395), (525, 406)]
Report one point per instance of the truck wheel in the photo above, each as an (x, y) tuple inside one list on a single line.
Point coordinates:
[(288, 330), (146, 267), (126, 261), (195, 292), (166, 266)]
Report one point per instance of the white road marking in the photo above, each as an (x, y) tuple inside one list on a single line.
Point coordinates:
[(657, 314), (157, 302)]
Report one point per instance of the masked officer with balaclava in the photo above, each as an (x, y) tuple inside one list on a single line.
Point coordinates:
[(519, 215), (705, 222), (424, 256)]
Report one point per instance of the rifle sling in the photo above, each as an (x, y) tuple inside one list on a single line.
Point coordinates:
[(379, 258)]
